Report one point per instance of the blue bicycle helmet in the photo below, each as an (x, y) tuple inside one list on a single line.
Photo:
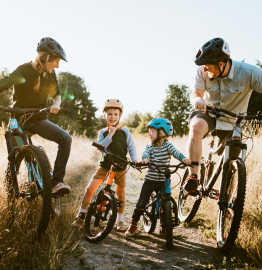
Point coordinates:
[(163, 123)]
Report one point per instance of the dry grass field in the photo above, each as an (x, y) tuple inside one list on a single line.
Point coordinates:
[(60, 242)]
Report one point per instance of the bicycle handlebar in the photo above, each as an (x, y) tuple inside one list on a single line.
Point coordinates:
[(158, 167), (105, 150), (15, 110), (216, 111)]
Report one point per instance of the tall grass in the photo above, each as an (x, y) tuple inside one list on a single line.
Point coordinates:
[(60, 240), (19, 252)]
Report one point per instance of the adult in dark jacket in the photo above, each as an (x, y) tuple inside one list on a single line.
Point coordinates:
[(33, 83)]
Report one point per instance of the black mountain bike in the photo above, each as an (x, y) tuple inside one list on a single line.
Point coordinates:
[(102, 211), (231, 194), (162, 206), (28, 177)]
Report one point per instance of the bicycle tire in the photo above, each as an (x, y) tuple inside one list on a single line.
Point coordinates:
[(55, 202), (149, 223), (188, 205), (229, 218), (31, 209), (168, 224), (99, 224)]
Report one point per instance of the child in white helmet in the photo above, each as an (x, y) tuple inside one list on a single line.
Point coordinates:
[(119, 141), (159, 151)]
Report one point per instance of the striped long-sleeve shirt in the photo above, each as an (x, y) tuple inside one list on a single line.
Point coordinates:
[(161, 157)]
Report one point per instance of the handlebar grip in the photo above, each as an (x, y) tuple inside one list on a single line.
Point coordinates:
[(209, 108), (97, 145), (139, 164), (195, 163)]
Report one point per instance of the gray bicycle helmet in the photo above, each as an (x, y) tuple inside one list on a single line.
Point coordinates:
[(51, 47), (212, 52)]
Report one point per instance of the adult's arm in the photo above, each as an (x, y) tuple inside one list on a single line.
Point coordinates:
[(197, 99), (12, 79), (256, 79), (197, 96), (55, 108)]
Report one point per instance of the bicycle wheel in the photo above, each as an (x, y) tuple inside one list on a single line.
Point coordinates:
[(168, 224), (229, 216), (55, 202), (187, 204), (100, 217), (30, 210), (149, 220)]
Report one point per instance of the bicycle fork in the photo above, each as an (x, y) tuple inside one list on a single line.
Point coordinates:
[(236, 141)]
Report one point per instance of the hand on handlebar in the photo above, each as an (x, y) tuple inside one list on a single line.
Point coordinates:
[(145, 161), (200, 104), (54, 109), (187, 161)]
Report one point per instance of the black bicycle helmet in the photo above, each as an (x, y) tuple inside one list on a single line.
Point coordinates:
[(213, 52), (52, 47)]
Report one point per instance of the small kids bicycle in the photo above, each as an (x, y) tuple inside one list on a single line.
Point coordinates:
[(162, 206), (231, 194), (28, 177), (102, 211)]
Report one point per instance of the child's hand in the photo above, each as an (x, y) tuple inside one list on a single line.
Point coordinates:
[(112, 131), (187, 161), (145, 161)]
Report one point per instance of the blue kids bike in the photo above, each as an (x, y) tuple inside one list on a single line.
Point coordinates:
[(162, 206), (28, 177)]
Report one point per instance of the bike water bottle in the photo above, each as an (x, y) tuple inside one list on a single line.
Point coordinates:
[(13, 123)]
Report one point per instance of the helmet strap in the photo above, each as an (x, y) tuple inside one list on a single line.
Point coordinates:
[(158, 137), (221, 72), (43, 68)]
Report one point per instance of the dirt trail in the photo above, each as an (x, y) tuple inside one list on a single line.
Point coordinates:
[(145, 251)]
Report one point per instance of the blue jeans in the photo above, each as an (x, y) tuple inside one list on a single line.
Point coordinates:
[(147, 189), (54, 133)]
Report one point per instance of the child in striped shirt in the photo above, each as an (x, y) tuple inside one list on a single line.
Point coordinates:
[(159, 151)]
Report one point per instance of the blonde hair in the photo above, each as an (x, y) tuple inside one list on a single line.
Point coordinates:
[(162, 138), (37, 66)]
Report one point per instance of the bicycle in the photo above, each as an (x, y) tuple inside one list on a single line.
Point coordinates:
[(28, 176), (162, 206), (231, 193), (102, 211)]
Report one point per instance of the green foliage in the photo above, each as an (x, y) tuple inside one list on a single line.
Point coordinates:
[(137, 122), (176, 108), (132, 120), (77, 111), (6, 99)]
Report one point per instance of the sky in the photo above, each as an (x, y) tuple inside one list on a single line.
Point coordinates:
[(129, 50)]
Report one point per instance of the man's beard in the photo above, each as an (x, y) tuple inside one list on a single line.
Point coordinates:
[(212, 75)]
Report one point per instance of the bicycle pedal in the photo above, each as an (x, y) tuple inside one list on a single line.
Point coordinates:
[(120, 203), (214, 194)]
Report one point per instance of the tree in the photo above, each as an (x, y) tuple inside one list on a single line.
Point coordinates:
[(144, 120), (6, 99), (132, 120), (77, 111), (176, 108), (137, 122)]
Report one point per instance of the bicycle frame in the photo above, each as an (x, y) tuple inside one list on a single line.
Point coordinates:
[(223, 164), (163, 195), (21, 139)]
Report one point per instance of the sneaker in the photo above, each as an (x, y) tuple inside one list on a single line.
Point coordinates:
[(79, 220), (131, 230), (162, 231), (60, 189), (120, 227), (191, 184)]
